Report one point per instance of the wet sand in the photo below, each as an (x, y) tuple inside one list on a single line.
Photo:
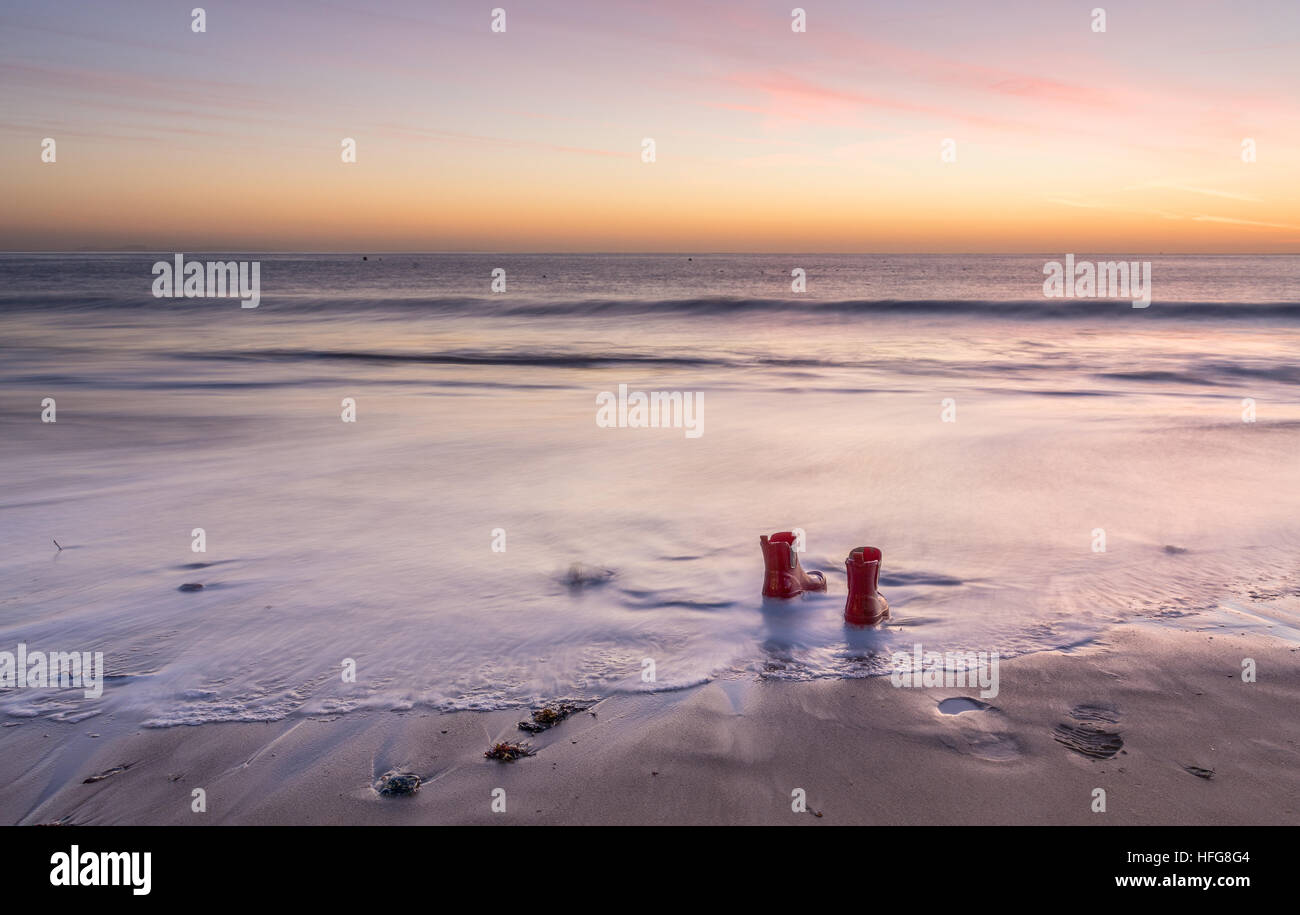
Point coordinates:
[(733, 751)]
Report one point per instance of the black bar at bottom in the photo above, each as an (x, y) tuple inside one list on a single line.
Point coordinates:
[(301, 864)]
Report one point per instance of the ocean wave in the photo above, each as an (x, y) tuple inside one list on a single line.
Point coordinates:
[(376, 306), (521, 357), (1199, 372)]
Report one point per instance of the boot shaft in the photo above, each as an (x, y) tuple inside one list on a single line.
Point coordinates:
[(863, 566), (865, 606), (783, 576), (778, 551)]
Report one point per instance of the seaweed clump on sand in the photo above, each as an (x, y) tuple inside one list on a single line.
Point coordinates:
[(398, 784), (509, 751), (548, 717), (106, 773)]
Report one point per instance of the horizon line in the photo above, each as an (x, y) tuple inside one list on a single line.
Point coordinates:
[(688, 254)]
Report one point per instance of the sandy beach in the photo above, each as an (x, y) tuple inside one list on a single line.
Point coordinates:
[(732, 752)]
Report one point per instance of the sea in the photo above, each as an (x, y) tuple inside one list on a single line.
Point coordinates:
[(394, 482)]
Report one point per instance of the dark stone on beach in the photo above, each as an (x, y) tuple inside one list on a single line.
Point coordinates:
[(546, 718), (580, 576), (190, 586), (398, 784), (1170, 548)]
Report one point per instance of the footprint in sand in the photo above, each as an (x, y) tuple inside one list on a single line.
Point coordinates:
[(959, 704), (1090, 733), (977, 729)]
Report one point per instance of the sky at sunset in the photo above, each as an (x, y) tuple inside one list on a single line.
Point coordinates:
[(766, 139)]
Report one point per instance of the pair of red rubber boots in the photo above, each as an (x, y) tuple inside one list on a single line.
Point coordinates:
[(785, 577)]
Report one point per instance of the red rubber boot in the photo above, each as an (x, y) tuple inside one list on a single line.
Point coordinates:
[(784, 577), (866, 606)]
